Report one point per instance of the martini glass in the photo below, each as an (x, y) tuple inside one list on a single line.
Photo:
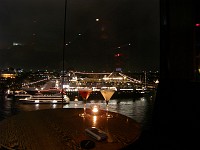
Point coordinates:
[(85, 93), (107, 94)]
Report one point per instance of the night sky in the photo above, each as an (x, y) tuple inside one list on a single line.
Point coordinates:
[(126, 27)]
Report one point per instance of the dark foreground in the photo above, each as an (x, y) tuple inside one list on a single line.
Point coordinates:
[(175, 118)]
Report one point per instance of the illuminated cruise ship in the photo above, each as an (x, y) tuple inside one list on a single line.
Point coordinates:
[(71, 82), (123, 85)]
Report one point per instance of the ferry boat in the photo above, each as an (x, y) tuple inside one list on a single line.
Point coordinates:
[(42, 98)]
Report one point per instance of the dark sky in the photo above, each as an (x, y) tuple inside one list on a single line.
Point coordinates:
[(127, 27)]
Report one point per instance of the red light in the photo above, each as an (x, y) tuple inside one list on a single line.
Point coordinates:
[(118, 54), (197, 24)]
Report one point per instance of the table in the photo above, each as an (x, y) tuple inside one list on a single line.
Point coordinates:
[(63, 128)]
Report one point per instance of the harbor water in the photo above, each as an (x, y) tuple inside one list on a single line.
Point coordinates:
[(139, 109)]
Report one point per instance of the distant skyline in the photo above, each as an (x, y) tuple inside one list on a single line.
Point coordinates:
[(96, 31)]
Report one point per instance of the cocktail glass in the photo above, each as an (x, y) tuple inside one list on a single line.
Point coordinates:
[(107, 94), (85, 93)]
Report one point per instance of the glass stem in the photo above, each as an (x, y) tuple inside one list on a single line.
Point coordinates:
[(106, 108), (84, 107)]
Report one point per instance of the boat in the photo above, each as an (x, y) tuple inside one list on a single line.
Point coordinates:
[(42, 98), (71, 82)]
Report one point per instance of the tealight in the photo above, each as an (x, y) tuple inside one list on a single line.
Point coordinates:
[(95, 108)]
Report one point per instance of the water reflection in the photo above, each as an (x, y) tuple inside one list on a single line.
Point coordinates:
[(7, 108), (94, 121), (139, 109)]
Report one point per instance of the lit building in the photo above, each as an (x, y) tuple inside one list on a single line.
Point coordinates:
[(8, 74)]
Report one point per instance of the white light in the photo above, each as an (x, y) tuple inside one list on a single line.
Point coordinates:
[(37, 101), (65, 86), (95, 109), (126, 89), (54, 101), (54, 105), (94, 121), (37, 106), (157, 81)]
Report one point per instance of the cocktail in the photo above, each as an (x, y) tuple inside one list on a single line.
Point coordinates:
[(107, 94), (85, 93)]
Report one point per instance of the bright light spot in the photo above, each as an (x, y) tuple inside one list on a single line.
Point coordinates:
[(118, 55), (95, 109), (37, 106), (197, 25), (16, 44), (66, 106), (94, 120), (157, 81), (75, 105), (54, 105), (66, 86), (54, 101), (97, 19), (126, 89), (37, 101), (76, 99)]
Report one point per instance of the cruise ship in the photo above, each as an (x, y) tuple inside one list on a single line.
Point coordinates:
[(71, 82)]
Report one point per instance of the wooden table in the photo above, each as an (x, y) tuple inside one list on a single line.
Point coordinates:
[(63, 129)]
